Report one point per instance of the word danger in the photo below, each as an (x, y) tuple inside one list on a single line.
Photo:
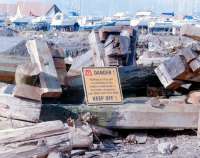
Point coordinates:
[(97, 72)]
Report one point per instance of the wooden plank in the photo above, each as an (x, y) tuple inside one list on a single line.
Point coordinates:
[(179, 69), (97, 48), (35, 141), (57, 52), (59, 63), (43, 138), (99, 131), (165, 78), (28, 92), (61, 76), (84, 60), (112, 46), (193, 97), (55, 155), (36, 148), (6, 123), (174, 70), (109, 45), (141, 115), (198, 129), (109, 40), (189, 54), (191, 31), (105, 31), (22, 91), (195, 78), (8, 66), (103, 35), (125, 42), (112, 61), (7, 74), (147, 62), (40, 54), (34, 132), (13, 60), (82, 137), (196, 47), (195, 65), (19, 109), (27, 73)]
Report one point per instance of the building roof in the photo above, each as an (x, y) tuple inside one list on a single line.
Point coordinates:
[(34, 8), (30, 8)]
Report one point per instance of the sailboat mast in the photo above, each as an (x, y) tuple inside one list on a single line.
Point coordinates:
[(80, 7)]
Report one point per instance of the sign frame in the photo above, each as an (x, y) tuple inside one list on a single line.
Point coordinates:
[(102, 103)]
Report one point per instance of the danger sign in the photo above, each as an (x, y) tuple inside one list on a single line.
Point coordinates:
[(102, 85)]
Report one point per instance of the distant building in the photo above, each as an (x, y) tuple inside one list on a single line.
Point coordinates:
[(26, 9)]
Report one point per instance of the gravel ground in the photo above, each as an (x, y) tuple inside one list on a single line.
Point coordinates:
[(187, 144)]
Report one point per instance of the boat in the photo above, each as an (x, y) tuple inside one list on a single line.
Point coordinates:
[(62, 21), (88, 23), (121, 18), (161, 27), (41, 23), (19, 21), (142, 20), (143, 14), (2, 21)]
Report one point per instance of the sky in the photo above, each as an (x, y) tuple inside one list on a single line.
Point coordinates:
[(109, 7)]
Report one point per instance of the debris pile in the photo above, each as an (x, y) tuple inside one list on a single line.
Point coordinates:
[(185, 68), (113, 46), (110, 46), (152, 50), (22, 133), (29, 127)]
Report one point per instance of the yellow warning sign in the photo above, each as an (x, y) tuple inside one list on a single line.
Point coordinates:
[(102, 85)]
